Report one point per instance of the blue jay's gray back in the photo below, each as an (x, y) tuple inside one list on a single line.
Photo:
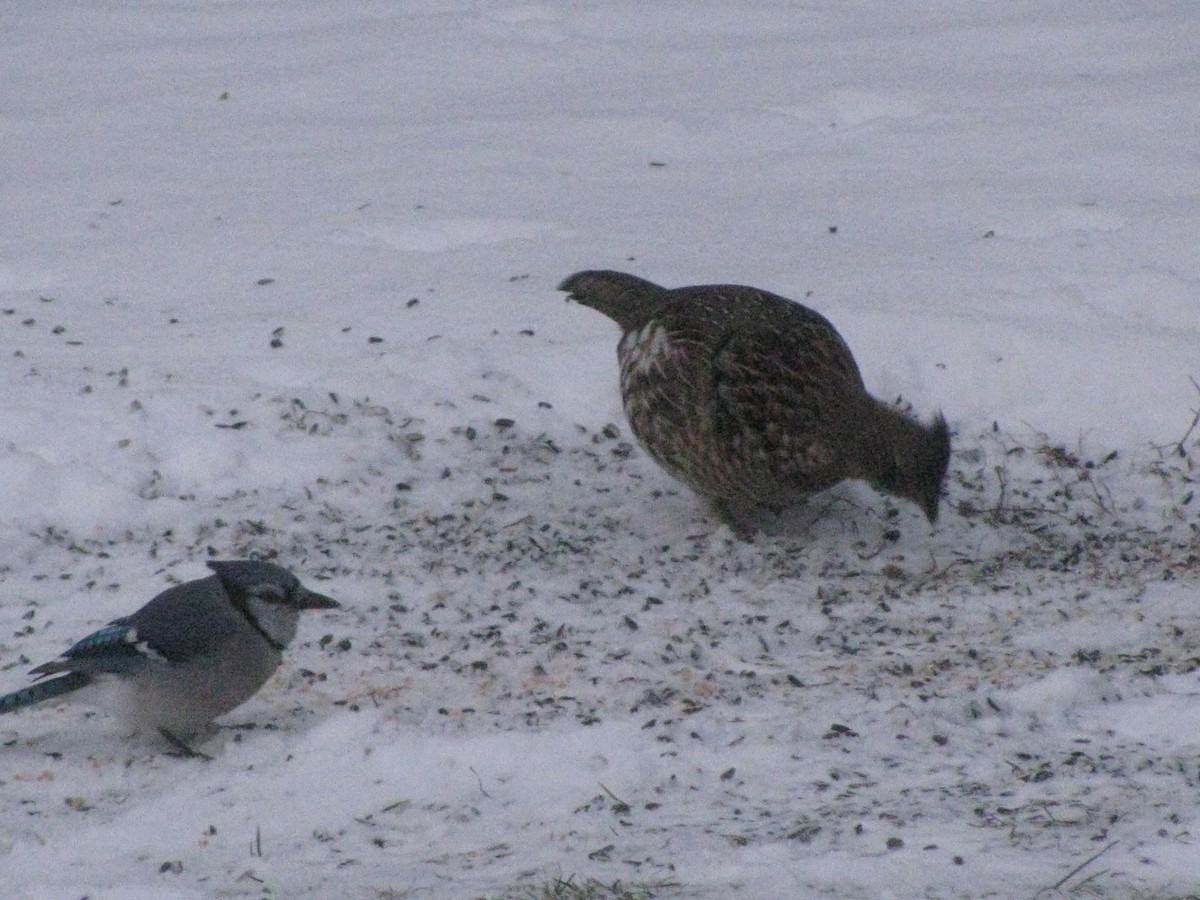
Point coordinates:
[(192, 653)]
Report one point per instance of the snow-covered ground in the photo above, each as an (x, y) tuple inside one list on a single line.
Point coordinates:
[(279, 279)]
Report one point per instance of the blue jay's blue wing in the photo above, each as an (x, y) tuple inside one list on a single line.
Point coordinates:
[(183, 622), (43, 690), (114, 649), (190, 620)]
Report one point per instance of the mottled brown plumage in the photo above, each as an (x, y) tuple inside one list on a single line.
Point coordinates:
[(755, 401)]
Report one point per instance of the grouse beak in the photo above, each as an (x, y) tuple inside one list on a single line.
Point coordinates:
[(571, 297), (313, 600)]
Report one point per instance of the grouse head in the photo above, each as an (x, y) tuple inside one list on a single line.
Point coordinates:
[(914, 464), (626, 299)]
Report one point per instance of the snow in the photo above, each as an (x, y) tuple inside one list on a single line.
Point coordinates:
[(279, 280)]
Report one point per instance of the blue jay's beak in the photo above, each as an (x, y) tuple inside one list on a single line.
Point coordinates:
[(307, 599)]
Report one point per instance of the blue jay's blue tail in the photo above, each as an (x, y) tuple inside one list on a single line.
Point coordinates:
[(43, 690)]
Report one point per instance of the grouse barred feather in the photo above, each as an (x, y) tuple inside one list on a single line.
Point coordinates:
[(754, 400)]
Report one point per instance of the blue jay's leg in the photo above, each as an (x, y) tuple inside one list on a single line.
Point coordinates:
[(182, 748), (43, 690)]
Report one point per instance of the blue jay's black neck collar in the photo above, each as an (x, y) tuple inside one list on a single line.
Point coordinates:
[(257, 626)]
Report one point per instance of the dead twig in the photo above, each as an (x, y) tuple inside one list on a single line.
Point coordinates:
[(482, 790), (1180, 450), (1079, 868)]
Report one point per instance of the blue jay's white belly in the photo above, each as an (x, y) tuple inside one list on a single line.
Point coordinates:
[(184, 699)]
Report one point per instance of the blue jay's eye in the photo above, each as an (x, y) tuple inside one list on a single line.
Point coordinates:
[(269, 593)]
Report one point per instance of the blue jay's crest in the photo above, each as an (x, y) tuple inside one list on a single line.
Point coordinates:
[(194, 652)]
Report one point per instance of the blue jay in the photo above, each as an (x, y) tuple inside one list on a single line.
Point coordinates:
[(192, 653)]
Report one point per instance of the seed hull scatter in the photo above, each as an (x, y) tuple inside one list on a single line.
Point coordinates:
[(849, 684), (272, 290)]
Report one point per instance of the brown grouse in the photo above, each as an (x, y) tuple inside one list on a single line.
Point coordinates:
[(755, 401)]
